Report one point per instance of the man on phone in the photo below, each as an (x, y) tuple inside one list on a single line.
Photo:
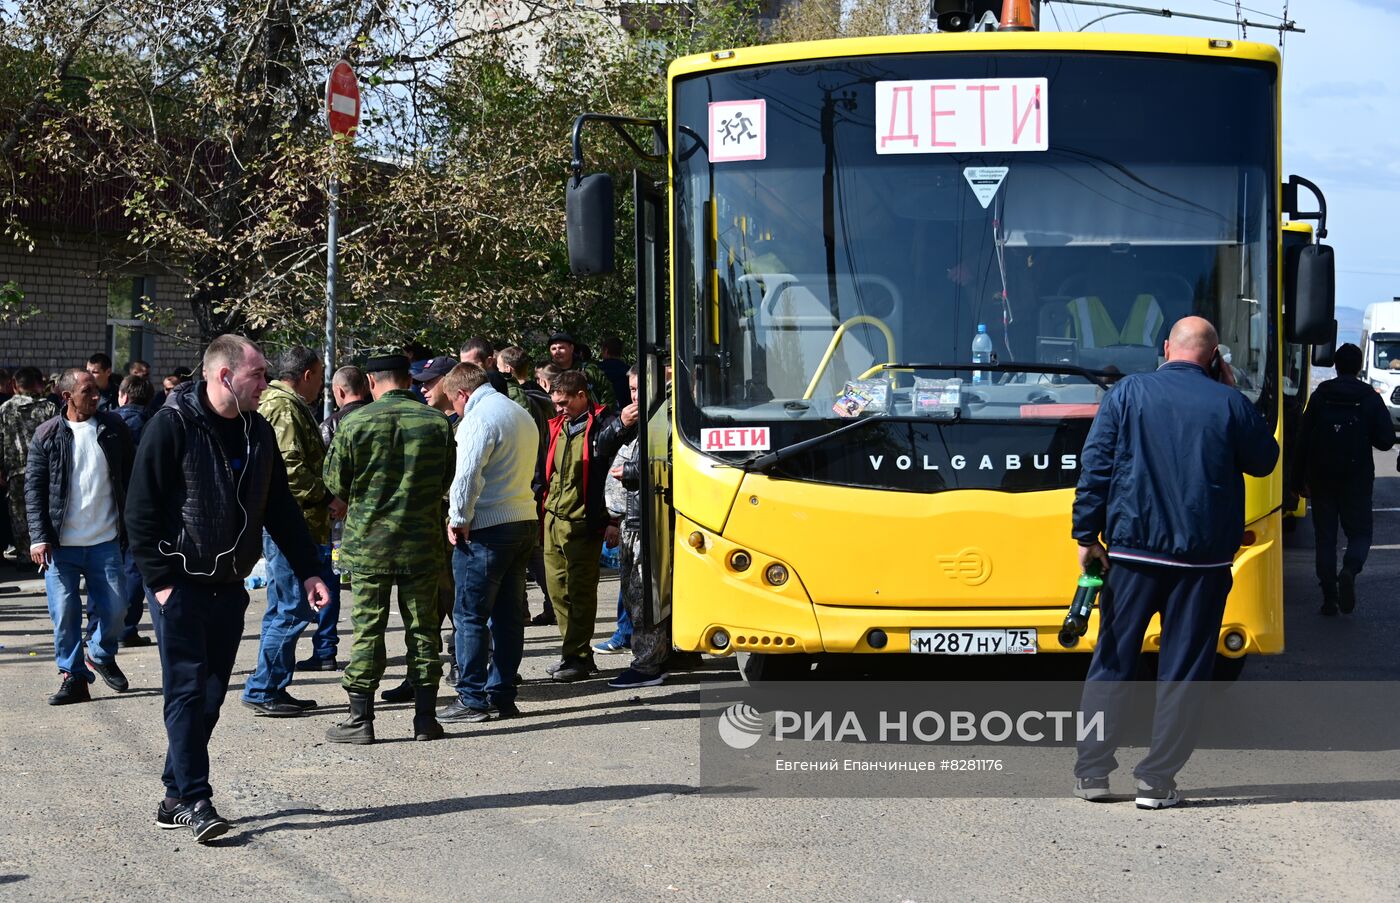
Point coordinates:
[(208, 478), (1161, 486)]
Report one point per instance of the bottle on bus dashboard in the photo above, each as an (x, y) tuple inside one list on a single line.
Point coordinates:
[(981, 353)]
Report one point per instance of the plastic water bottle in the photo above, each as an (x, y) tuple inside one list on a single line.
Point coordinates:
[(981, 353), (258, 578)]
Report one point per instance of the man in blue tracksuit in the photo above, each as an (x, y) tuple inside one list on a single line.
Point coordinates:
[(1161, 485)]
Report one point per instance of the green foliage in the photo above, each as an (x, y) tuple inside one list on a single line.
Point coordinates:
[(12, 308), (204, 121)]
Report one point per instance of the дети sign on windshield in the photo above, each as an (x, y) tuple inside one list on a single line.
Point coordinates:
[(962, 115)]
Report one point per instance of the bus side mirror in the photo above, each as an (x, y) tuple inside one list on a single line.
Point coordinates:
[(588, 214), (1310, 286), (1323, 352)]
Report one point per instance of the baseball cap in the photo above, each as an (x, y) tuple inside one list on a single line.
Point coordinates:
[(435, 368)]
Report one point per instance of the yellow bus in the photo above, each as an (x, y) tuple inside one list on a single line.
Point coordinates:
[(895, 276)]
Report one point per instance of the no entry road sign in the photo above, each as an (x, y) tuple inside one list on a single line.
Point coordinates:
[(343, 100)]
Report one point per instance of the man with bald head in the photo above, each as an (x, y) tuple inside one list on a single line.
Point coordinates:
[(1160, 508)]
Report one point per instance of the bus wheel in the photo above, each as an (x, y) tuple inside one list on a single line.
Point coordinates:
[(757, 667), (1228, 670)]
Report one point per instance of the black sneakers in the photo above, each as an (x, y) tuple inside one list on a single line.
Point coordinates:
[(1346, 591), (73, 689), (573, 668), (200, 817), (277, 708), (318, 664), (284, 697), (632, 678), (457, 713), (136, 641), (111, 675), (1091, 789), (505, 710), (1329, 607), (1149, 797)]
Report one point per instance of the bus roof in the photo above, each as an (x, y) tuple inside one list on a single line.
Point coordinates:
[(978, 42)]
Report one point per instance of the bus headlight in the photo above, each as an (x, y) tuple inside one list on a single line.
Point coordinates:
[(776, 575), (719, 639), (1234, 641), (740, 560)]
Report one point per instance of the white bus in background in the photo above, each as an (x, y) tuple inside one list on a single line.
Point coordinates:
[(1380, 350)]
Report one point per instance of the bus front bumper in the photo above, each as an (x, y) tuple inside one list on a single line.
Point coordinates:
[(719, 608)]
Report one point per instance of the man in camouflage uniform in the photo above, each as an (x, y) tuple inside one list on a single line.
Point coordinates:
[(19, 418), (392, 463), (429, 380), (563, 353), (286, 405)]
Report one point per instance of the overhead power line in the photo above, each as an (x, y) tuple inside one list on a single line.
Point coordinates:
[(1125, 10)]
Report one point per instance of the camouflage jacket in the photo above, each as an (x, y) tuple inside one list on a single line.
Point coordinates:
[(392, 463), (299, 439), (599, 387), (19, 418)]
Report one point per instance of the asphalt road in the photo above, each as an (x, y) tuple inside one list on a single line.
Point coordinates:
[(595, 795)]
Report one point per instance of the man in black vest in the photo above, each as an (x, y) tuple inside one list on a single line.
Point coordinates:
[(208, 478), (1345, 419)]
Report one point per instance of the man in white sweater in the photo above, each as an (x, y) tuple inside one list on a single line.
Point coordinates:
[(493, 528)]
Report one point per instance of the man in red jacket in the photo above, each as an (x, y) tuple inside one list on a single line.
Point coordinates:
[(583, 440)]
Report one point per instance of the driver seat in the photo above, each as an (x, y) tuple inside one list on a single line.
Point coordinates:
[(1093, 326)]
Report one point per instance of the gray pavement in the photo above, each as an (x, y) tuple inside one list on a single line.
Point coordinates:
[(594, 795)]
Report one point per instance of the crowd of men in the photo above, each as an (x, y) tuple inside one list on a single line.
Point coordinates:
[(444, 483)]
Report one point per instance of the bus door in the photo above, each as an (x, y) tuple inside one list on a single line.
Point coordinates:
[(653, 397)]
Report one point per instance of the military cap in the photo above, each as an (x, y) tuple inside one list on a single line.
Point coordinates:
[(386, 363), (562, 336)]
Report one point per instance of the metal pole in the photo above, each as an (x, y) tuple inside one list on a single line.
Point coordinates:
[(331, 268)]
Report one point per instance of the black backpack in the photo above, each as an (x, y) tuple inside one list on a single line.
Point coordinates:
[(1338, 443)]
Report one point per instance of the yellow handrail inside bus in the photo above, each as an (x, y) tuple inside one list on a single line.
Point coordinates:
[(859, 320)]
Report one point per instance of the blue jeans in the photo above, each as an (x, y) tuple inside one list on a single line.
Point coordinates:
[(489, 567), (102, 566), (135, 596), (327, 637), (623, 634), (286, 617)]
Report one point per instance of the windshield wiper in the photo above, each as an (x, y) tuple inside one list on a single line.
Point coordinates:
[(1099, 378), (768, 460)]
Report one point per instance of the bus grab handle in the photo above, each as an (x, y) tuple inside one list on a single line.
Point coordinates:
[(859, 320)]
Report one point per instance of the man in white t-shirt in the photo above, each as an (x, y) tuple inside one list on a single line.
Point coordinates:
[(75, 492)]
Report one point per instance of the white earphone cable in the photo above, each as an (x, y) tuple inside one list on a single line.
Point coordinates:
[(237, 496)]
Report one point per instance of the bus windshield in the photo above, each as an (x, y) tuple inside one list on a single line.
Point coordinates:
[(828, 279)]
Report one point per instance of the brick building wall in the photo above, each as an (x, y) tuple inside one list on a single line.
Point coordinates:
[(63, 279)]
